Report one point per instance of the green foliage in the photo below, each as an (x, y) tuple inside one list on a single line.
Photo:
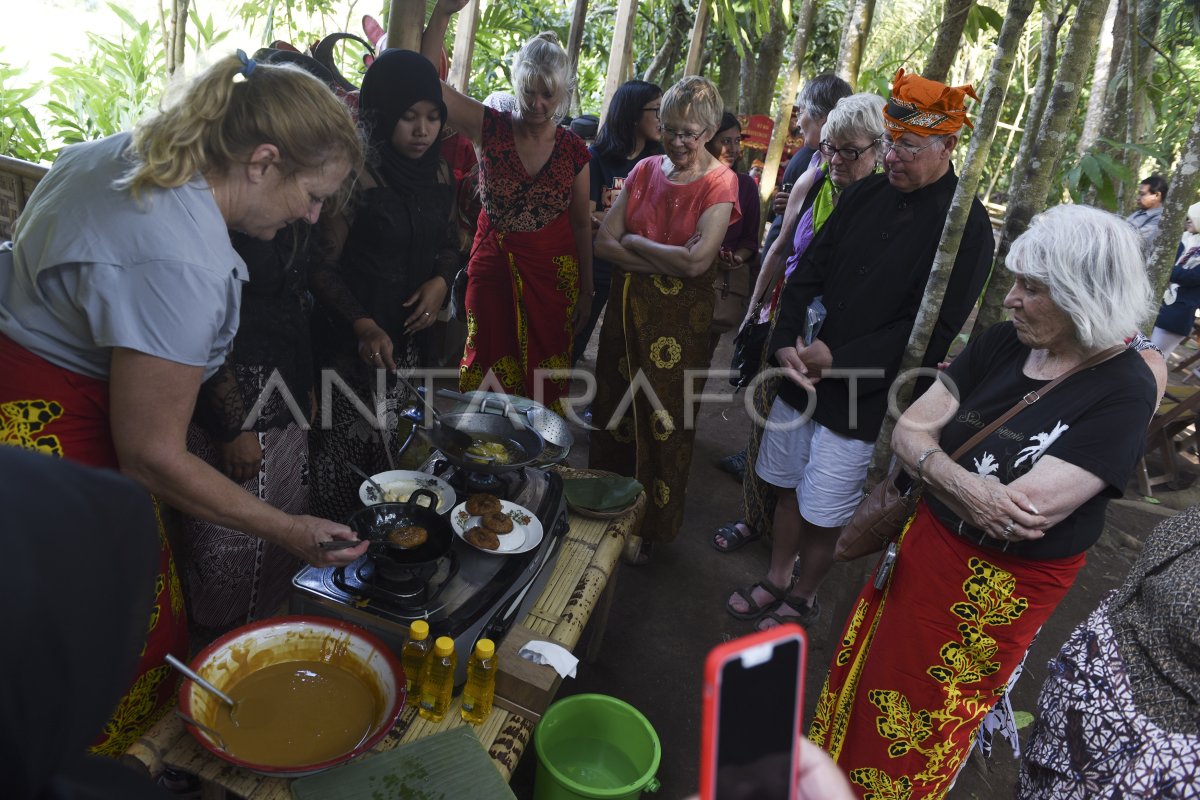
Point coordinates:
[(1100, 171), (20, 135), (109, 89), (202, 34)]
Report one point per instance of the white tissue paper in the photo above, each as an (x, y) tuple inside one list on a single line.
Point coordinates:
[(555, 655)]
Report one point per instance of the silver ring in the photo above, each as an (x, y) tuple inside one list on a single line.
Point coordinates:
[(374, 354), (1008, 531), (427, 313)]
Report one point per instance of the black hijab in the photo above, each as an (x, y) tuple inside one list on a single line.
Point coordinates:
[(395, 81)]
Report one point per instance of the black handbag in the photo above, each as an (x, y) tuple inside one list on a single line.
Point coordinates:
[(748, 349)]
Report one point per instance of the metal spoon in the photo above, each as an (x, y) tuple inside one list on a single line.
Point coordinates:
[(220, 739), (370, 480), (186, 670)]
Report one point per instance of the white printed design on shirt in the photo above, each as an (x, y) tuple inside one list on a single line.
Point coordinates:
[(987, 466), (1041, 442)]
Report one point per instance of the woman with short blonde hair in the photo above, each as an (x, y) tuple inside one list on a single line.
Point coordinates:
[(662, 237)]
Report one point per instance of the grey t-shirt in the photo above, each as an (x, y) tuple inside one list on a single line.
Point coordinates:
[(91, 268)]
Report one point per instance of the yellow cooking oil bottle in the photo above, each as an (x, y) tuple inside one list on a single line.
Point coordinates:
[(437, 687), (481, 683), (414, 657)]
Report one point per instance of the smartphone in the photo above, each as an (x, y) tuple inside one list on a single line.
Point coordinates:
[(753, 707)]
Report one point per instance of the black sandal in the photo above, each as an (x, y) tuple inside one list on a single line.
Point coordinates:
[(805, 616), (733, 537)]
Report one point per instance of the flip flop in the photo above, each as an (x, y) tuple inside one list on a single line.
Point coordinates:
[(733, 536), (753, 609)]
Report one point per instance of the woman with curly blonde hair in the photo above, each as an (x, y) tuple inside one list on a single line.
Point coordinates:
[(120, 294)]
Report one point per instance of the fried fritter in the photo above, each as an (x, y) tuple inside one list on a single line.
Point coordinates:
[(480, 504), (409, 537), (483, 538), (497, 522)]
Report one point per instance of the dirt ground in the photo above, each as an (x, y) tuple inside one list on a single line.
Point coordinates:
[(668, 614)]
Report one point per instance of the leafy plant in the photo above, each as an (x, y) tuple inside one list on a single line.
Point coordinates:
[(20, 135), (112, 87)]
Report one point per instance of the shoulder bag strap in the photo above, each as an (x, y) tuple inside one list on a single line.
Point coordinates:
[(1032, 397)]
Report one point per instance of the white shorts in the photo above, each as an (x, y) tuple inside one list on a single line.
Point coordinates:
[(827, 469)]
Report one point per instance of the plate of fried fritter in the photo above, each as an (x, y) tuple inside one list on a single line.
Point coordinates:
[(496, 526)]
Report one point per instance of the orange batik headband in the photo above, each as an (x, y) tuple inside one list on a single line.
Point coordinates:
[(926, 107)]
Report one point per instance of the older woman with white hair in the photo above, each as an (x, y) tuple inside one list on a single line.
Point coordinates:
[(662, 236), (530, 275), (1001, 530)]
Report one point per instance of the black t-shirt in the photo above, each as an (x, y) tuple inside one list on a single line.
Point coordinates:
[(1096, 420), (608, 177)]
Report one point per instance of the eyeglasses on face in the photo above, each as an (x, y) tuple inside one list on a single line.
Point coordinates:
[(651, 108), (847, 153), (687, 137), (905, 152)]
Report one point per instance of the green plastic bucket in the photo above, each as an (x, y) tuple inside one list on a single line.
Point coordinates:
[(595, 746)]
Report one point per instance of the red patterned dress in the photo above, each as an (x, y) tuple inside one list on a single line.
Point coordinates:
[(523, 278)]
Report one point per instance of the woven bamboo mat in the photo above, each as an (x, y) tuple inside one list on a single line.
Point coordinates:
[(587, 560)]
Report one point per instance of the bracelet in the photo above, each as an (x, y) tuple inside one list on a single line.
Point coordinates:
[(921, 461)]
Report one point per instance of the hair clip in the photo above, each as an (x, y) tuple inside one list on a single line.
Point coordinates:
[(248, 64)]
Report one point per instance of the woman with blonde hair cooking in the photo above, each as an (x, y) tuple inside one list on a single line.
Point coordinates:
[(121, 295)]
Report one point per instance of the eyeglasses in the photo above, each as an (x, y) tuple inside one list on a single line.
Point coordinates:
[(687, 137), (904, 152), (847, 153), (651, 108)]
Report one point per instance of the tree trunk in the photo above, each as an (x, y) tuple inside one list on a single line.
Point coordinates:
[(1101, 74), (945, 47), (745, 83), (730, 78), (696, 45), (177, 35), (1035, 174), (783, 116), (1142, 31), (668, 54), (574, 42), (769, 60), (855, 30), (1112, 118), (1052, 22), (1185, 183)]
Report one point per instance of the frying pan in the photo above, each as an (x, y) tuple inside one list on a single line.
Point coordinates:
[(375, 522), (525, 445)]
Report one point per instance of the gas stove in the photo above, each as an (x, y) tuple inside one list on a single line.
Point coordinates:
[(471, 594)]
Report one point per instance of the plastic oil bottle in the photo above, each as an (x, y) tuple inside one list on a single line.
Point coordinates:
[(437, 688), (481, 683), (414, 657)]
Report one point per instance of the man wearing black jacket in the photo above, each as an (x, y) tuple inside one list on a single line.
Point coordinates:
[(869, 264)]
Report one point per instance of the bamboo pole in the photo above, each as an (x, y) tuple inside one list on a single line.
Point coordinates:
[(618, 54), (405, 23), (464, 47)]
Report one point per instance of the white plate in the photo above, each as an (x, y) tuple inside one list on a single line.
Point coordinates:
[(401, 483), (526, 533)]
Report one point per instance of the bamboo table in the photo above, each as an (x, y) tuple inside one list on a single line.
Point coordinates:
[(576, 592)]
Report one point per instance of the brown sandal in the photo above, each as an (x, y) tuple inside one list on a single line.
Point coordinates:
[(753, 609)]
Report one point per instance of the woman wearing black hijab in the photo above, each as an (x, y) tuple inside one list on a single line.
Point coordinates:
[(398, 255)]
